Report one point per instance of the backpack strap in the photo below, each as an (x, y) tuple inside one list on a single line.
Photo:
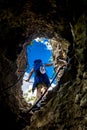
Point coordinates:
[(42, 69)]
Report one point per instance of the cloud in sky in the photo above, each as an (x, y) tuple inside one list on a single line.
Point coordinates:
[(49, 47), (44, 41)]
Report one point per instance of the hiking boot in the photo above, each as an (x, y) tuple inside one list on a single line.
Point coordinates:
[(38, 105), (43, 98)]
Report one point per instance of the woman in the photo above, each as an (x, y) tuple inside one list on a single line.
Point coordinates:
[(41, 79)]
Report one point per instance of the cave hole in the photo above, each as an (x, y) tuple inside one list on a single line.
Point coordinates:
[(38, 48)]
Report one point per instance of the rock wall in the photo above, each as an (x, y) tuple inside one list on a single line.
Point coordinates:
[(20, 22)]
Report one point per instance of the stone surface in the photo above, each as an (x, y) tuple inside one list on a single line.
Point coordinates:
[(63, 22)]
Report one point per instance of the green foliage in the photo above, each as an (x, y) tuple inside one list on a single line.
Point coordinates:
[(29, 98)]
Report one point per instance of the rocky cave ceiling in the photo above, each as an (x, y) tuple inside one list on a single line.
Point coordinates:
[(22, 21)]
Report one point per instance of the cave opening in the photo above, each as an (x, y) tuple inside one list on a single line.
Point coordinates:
[(38, 48)]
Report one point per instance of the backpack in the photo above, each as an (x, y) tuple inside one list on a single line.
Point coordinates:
[(39, 67)]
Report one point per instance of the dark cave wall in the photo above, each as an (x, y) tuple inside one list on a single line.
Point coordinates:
[(21, 21)]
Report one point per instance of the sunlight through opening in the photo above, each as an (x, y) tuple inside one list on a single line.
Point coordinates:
[(39, 48)]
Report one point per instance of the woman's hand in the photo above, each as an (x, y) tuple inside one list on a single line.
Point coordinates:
[(26, 80)]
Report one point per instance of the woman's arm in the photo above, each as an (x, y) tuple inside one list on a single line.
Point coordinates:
[(30, 74)]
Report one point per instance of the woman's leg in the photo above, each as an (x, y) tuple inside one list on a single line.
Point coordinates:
[(44, 90), (38, 91)]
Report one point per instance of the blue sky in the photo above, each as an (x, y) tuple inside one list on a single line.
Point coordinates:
[(40, 48)]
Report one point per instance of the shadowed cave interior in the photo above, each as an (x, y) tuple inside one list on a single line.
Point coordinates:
[(62, 22)]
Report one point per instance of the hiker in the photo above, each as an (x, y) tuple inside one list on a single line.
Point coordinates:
[(41, 79)]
